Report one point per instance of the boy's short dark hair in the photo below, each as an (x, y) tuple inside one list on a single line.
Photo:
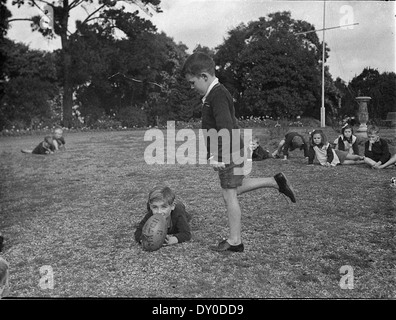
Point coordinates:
[(197, 63), (297, 142), (161, 193), (373, 129), (256, 139), (49, 140)]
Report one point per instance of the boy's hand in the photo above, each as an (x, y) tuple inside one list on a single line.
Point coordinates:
[(169, 240), (216, 165), (376, 166)]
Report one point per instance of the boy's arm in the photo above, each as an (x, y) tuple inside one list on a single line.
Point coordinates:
[(139, 229), (266, 154), (183, 228), (258, 154), (367, 152), (385, 151), (223, 118)]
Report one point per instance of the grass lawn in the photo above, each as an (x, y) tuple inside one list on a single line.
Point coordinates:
[(76, 211)]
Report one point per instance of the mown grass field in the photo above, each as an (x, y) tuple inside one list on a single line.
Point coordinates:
[(76, 212)]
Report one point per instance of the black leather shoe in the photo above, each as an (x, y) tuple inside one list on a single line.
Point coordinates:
[(225, 246), (284, 186)]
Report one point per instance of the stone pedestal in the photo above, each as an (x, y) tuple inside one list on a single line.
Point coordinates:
[(362, 115)]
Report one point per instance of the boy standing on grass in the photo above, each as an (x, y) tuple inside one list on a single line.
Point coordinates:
[(218, 113)]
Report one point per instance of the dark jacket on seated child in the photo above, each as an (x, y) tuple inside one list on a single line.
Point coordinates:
[(379, 151), (45, 147), (260, 154), (61, 141), (179, 227)]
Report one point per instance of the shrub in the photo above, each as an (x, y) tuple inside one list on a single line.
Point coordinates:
[(132, 117)]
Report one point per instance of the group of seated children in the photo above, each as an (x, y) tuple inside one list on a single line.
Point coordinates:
[(50, 144), (344, 150)]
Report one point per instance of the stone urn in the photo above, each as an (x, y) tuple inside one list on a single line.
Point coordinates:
[(363, 113)]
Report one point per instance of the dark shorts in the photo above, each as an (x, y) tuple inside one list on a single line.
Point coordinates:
[(228, 178)]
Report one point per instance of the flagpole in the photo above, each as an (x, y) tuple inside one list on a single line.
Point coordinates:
[(322, 109)]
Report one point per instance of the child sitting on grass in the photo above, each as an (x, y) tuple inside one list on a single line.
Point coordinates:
[(257, 151), (44, 147), (4, 285), (376, 150), (347, 141), (161, 201), (326, 155), (292, 141)]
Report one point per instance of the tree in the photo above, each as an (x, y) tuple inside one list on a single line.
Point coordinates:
[(56, 22), (5, 14), (271, 67), (30, 85), (380, 87), (123, 77)]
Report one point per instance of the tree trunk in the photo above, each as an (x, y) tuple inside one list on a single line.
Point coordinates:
[(67, 102)]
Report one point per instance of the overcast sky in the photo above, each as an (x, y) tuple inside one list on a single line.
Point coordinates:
[(371, 43)]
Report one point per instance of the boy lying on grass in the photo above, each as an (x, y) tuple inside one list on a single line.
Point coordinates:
[(50, 144), (161, 201), (258, 153), (45, 147)]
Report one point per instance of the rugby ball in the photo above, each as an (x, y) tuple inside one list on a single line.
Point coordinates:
[(154, 233)]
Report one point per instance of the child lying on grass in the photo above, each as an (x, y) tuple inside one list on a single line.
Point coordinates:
[(258, 153), (161, 201), (45, 147)]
